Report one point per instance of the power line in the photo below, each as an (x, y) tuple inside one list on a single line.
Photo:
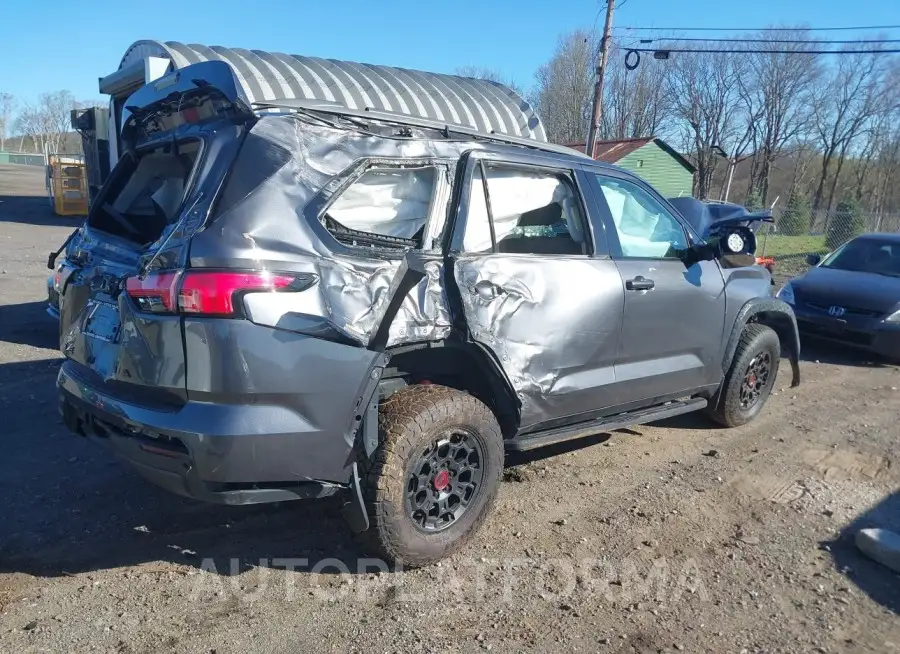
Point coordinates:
[(797, 52), (760, 29), (816, 41)]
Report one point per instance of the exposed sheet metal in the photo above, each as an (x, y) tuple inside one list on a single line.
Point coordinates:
[(271, 220), (480, 104), (423, 316)]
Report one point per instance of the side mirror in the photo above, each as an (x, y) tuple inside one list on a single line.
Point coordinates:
[(813, 259), (737, 240), (736, 243)]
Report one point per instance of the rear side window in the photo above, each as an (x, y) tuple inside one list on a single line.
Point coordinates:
[(531, 211), (385, 206)]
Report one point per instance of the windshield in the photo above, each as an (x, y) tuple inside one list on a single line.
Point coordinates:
[(867, 255), (146, 194)]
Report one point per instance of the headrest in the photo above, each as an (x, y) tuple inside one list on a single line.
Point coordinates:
[(550, 214)]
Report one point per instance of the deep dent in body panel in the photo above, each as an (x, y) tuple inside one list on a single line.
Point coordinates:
[(268, 226), (540, 364), (424, 314)]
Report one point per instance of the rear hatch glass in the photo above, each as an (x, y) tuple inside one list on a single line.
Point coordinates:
[(134, 356), (147, 192)]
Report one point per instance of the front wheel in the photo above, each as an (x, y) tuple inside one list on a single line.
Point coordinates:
[(434, 476), (750, 379)]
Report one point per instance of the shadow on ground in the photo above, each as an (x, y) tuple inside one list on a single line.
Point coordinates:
[(29, 324), (818, 351), (557, 449), (877, 581), (30, 210), (70, 506)]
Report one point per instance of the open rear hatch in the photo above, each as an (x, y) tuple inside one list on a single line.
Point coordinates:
[(118, 318)]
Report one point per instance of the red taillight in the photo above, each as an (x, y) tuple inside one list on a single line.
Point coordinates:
[(213, 292), (206, 292), (154, 292)]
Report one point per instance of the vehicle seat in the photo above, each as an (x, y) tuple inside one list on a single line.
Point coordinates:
[(549, 217)]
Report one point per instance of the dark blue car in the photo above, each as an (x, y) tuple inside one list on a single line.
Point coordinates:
[(852, 296)]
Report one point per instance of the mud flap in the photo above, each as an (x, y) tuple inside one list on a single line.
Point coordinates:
[(354, 508), (795, 369)]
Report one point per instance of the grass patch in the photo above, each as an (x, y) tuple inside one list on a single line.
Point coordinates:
[(777, 245)]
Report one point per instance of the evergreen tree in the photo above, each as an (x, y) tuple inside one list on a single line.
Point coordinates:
[(846, 223), (794, 221), (754, 201)]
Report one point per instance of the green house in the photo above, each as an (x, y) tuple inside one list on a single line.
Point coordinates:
[(650, 158)]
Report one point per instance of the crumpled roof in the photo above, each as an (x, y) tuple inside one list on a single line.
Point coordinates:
[(479, 104)]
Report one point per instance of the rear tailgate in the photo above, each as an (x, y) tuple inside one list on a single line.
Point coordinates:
[(137, 358), (179, 133)]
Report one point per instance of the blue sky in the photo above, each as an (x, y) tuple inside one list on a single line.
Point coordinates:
[(61, 44)]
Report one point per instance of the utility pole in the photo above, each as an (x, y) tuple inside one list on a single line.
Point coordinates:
[(597, 113)]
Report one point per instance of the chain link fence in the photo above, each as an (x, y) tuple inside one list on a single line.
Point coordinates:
[(797, 234)]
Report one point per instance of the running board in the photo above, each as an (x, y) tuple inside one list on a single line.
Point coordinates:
[(601, 425)]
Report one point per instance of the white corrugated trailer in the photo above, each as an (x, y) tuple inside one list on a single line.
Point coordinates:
[(265, 76)]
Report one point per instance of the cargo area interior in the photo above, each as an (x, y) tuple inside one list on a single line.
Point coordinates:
[(147, 192)]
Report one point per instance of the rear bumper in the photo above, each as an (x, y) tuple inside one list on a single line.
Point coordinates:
[(226, 454)]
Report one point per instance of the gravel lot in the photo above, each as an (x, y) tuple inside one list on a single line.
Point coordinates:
[(671, 537)]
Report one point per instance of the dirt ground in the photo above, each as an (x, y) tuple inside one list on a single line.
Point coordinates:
[(671, 537)]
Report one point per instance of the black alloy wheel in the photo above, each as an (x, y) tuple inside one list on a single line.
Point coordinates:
[(749, 381), (756, 378), (431, 482), (443, 480)]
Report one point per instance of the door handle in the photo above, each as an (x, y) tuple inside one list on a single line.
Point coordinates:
[(488, 290), (639, 284)]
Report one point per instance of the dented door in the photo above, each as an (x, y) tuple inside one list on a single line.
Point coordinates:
[(535, 286)]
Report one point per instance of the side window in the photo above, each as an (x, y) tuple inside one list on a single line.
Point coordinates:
[(532, 212), (385, 207), (645, 227)]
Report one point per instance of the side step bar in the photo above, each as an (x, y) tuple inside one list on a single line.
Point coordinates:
[(601, 425)]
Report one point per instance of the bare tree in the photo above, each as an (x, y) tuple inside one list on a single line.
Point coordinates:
[(7, 107), (804, 154), (636, 102), (845, 104), (886, 174), (705, 95), (564, 86), (30, 124), (489, 74), (778, 87), (55, 109)]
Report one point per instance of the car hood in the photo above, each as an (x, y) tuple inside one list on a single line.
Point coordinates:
[(848, 288)]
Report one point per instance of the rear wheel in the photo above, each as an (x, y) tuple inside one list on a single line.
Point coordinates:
[(750, 379), (434, 476)]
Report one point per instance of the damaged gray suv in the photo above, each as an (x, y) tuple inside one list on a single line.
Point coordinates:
[(301, 300)]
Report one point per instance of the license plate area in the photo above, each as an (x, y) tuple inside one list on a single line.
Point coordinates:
[(833, 327), (101, 321)]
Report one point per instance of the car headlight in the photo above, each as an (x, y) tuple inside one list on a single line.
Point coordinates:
[(786, 293), (894, 317)]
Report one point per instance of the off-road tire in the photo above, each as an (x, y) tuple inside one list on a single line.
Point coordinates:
[(409, 421), (725, 407)]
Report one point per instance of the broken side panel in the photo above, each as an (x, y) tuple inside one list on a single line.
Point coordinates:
[(350, 208)]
